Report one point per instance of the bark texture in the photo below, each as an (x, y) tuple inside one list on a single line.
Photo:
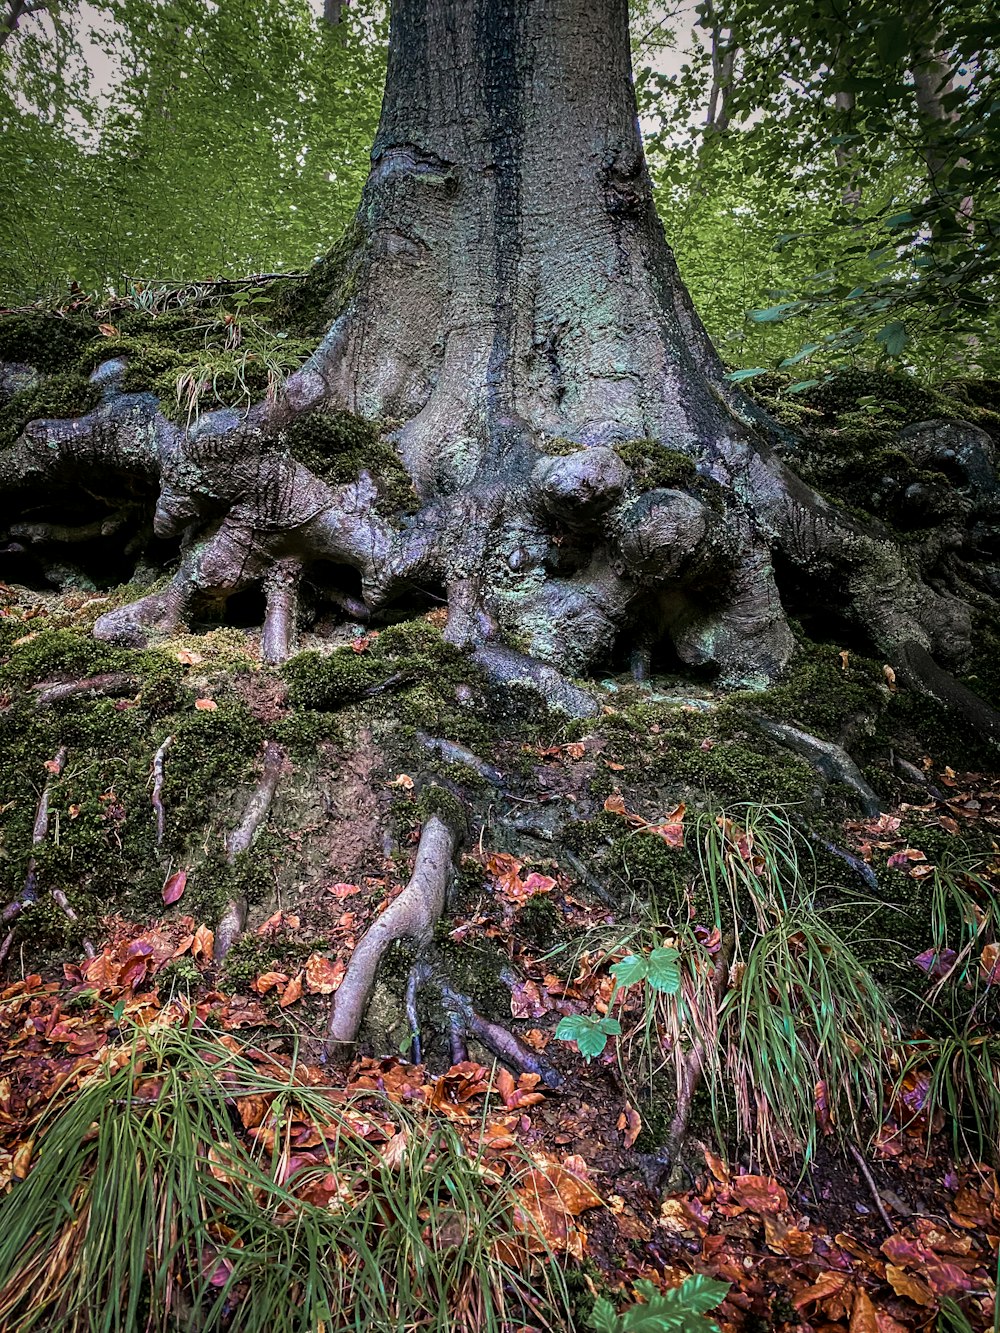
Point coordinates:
[(509, 310)]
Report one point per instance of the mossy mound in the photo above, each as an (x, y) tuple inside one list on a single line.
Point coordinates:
[(338, 446)]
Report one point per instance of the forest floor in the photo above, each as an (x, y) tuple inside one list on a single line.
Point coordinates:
[(881, 1238)]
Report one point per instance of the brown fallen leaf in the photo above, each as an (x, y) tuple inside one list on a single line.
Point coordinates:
[(908, 1285), (292, 992), (206, 705), (863, 1316), (268, 981), (188, 658), (323, 976), (631, 1122)]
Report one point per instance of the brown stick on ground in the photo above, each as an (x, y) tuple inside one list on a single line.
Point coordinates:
[(412, 915), (159, 760), (112, 685), (235, 915)]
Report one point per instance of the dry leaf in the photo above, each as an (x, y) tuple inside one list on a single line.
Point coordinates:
[(631, 1122), (845, 658), (189, 658), (206, 705), (890, 676), (323, 976), (173, 890), (402, 780), (908, 1285), (291, 993)]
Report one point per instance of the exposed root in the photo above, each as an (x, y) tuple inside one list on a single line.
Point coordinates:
[(280, 633), (235, 915), (412, 915), (29, 894), (860, 867), (156, 798), (915, 667), (496, 1038), (509, 668), (453, 753), (830, 761), (111, 685)]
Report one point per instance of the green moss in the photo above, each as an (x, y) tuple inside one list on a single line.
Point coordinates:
[(435, 800), (50, 343), (816, 694), (301, 732), (654, 466), (337, 447), (558, 447), (308, 306), (59, 396), (328, 681), (475, 969), (540, 921)]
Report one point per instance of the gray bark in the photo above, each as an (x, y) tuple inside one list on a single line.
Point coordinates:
[(512, 297)]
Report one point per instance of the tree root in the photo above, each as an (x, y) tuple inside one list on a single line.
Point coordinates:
[(111, 685), (830, 761), (412, 915), (255, 813), (453, 753), (496, 1038), (156, 798), (29, 894)]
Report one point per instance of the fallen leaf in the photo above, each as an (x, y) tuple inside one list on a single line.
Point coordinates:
[(890, 677), (989, 964), (845, 658), (863, 1317), (343, 890), (189, 658), (108, 330), (631, 1122), (268, 981), (206, 705), (173, 890), (906, 1284), (323, 976), (761, 1194), (402, 780), (291, 993)]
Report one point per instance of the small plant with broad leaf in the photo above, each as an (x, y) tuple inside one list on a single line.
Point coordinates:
[(659, 970), (683, 1309)]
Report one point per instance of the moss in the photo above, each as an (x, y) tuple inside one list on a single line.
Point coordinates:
[(60, 396), (435, 800), (475, 969), (555, 446), (653, 466), (540, 922), (816, 694), (338, 446), (328, 681), (301, 732), (309, 305), (50, 343)]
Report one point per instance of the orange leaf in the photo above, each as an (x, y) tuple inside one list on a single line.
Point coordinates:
[(908, 1285), (268, 981), (189, 658), (323, 976), (206, 705), (343, 890), (204, 944), (631, 1122), (291, 993), (863, 1317)]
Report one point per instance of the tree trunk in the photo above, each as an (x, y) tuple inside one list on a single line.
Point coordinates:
[(512, 315)]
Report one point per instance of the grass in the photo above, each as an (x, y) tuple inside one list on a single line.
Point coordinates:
[(176, 1189)]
